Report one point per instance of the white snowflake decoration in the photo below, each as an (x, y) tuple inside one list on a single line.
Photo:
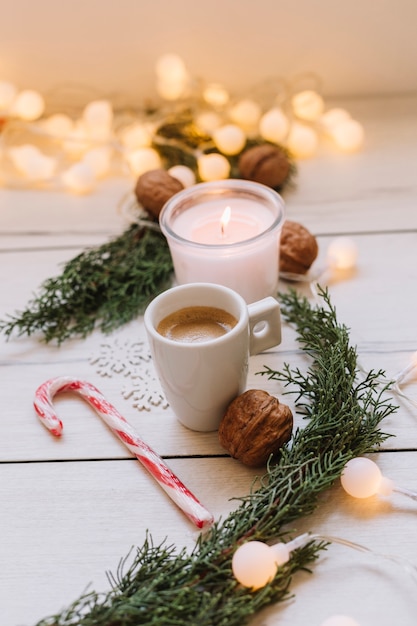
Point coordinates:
[(132, 360)]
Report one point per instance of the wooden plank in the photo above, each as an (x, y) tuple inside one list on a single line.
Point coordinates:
[(63, 525)]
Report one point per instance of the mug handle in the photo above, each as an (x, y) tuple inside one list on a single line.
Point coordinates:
[(264, 325)]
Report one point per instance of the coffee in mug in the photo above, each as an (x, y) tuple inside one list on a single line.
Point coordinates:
[(196, 323), (203, 370)]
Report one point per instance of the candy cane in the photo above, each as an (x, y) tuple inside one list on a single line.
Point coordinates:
[(176, 490)]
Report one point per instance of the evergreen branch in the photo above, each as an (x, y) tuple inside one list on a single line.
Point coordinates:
[(163, 586), (102, 287)]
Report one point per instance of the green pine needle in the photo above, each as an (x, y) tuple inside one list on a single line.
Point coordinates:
[(103, 287), (164, 586)]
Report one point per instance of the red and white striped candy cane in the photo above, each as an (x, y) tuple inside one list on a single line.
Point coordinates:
[(176, 490)]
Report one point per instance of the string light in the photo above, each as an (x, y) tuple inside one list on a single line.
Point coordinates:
[(292, 118), (255, 563), (184, 174), (229, 139), (213, 167), (274, 125), (28, 105), (362, 478), (308, 105), (342, 253)]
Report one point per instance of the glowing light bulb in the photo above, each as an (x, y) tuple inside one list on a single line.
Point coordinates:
[(32, 163), (229, 139), (274, 125), (79, 178), (213, 167), (334, 116), (307, 105), (98, 118), (246, 113), (361, 478), (99, 160), (302, 141), (208, 121), (59, 125), (172, 76), (8, 92), (136, 136), (216, 95), (143, 160), (171, 67), (29, 105), (342, 254), (254, 565), (76, 141), (184, 174), (340, 620), (171, 90), (348, 135)]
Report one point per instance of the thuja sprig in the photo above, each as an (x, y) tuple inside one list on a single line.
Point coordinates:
[(103, 287), (343, 411)]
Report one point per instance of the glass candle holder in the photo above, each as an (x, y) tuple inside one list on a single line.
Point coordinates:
[(226, 232)]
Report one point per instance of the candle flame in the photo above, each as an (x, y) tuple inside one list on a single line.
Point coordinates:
[(225, 219)]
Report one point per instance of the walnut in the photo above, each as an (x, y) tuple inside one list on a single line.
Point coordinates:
[(154, 188), (298, 248), (265, 164), (255, 426)]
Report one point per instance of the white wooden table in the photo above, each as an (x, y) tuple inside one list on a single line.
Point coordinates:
[(71, 508)]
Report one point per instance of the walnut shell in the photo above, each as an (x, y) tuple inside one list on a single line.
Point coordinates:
[(265, 164), (255, 426), (298, 248), (154, 188)]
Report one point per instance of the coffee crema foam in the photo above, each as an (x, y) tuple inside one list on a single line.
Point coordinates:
[(196, 324)]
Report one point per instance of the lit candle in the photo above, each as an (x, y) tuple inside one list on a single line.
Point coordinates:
[(226, 232)]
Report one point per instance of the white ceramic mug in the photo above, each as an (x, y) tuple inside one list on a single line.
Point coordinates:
[(201, 379)]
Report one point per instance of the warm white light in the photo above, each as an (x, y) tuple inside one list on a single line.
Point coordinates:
[(334, 116), (253, 564), (213, 167), (274, 125), (208, 121), (246, 113), (342, 253), (143, 160), (76, 141), (171, 89), (79, 178), (229, 139), (29, 105), (171, 67), (98, 117), (136, 136), (307, 105), (99, 161), (32, 163), (348, 135), (216, 95), (59, 125), (184, 174), (340, 620), (302, 141), (8, 92), (225, 219), (361, 478), (172, 76)]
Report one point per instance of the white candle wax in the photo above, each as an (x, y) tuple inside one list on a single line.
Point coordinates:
[(247, 219), (244, 255)]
